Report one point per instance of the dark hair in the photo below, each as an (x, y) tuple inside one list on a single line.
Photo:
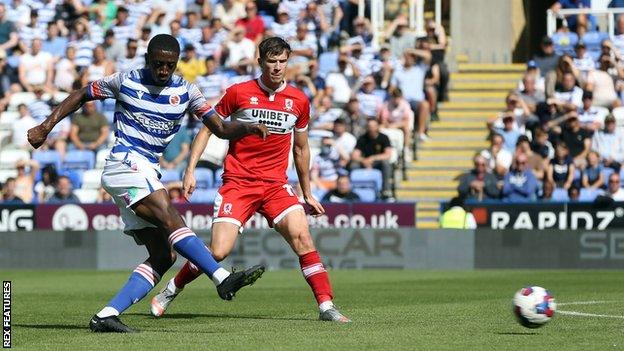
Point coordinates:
[(52, 174), (164, 42), (340, 120), (273, 46), (130, 41), (209, 58)]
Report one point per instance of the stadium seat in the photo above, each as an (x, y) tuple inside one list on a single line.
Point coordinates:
[(203, 195), (217, 177), (169, 176), (560, 195), (588, 195), (47, 157), (204, 178), (75, 176), (100, 158), (292, 176), (21, 98), (367, 178), (8, 158), (564, 43), (396, 140), (7, 173), (606, 172), (618, 113), (92, 179), (79, 159), (593, 40), (577, 175), (366, 194), (7, 119), (86, 196), (328, 62)]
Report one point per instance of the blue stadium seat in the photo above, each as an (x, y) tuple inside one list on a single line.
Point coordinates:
[(577, 175), (217, 177), (169, 176), (588, 195), (79, 159), (560, 195), (47, 157), (606, 172), (75, 176), (592, 42), (564, 43), (319, 193), (366, 194), (204, 178), (292, 175), (364, 178), (203, 195), (328, 62)]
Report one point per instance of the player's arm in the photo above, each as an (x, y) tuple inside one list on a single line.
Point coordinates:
[(301, 155), (38, 134), (197, 148), (233, 129)]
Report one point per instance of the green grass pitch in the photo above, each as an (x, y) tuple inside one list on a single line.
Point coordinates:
[(391, 310)]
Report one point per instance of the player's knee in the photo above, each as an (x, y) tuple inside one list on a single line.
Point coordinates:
[(302, 242), (219, 254)]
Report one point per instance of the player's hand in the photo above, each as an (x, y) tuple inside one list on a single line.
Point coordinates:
[(317, 208), (37, 135), (260, 130), (188, 185)]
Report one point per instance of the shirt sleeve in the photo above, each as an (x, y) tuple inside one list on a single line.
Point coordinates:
[(198, 105), (228, 103), (304, 117), (105, 88)]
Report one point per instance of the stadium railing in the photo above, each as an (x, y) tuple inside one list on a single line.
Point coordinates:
[(551, 17)]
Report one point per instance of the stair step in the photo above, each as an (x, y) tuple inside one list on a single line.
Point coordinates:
[(482, 106), (445, 153), (423, 205), (481, 77), (505, 85), (473, 144), (458, 135), (417, 173), (491, 67), (437, 164), (430, 214), (455, 95), (427, 225), (418, 183), (431, 194), (449, 123), (446, 114)]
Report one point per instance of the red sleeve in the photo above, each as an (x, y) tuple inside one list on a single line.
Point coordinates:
[(304, 117), (228, 103)]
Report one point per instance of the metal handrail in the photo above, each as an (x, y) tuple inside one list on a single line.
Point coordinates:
[(551, 17)]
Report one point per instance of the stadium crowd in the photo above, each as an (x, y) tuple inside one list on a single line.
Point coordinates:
[(370, 105), (560, 136)]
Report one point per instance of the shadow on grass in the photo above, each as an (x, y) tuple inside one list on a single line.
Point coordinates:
[(52, 326), (209, 315), (517, 333)]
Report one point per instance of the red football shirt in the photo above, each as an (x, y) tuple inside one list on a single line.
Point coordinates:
[(282, 110)]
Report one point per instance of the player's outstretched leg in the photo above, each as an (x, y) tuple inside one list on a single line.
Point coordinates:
[(165, 297), (294, 228), (141, 281)]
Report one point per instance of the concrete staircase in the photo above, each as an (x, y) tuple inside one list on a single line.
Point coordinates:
[(476, 92)]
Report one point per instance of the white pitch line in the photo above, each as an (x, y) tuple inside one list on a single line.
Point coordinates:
[(582, 314), (583, 303)]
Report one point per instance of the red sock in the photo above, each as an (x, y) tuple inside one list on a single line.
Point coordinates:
[(315, 274), (187, 274)]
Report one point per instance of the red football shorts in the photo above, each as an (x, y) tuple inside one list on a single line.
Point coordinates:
[(238, 199)]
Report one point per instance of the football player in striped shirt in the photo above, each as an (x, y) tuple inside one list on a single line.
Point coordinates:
[(150, 105)]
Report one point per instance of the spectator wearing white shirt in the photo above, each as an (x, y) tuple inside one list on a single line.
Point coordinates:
[(20, 128), (213, 83), (238, 48), (65, 71), (370, 103), (344, 142), (600, 82), (208, 46), (304, 47), (568, 95), (121, 27), (132, 60), (229, 11), (32, 30), (36, 68), (498, 160), (583, 61), (609, 143), (284, 27), (338, 84), (590, 117), (614, 190)]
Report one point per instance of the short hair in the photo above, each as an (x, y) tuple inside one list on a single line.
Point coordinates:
[(130, 41), (273, 46), (163, 42), (209, 58)]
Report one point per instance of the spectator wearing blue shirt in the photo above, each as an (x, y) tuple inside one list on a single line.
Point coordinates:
[(509, 133), (8, 193), (589, 21), (54, 44), (592, 174), (520, 184), (64, 192)]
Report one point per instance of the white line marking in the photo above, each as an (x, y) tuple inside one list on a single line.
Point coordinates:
[(583, 303), (582, 314)]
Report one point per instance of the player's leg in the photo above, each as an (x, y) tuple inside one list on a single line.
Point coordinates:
[(157, 209), (141, 281)]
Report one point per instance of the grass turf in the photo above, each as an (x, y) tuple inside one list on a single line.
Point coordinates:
[(391, 310)]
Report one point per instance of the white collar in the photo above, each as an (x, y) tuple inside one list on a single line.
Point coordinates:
[(270, 91)]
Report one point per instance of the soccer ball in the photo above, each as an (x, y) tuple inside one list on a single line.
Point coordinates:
[(534, 306)]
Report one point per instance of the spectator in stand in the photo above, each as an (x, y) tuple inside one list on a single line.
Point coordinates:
[(401, 38), (66, 72), (89, 129), (535, 162), (546, 60), (175, 29), (8, 193), (583, 61), (609, 144), (46, 187), (371, 103), (189, 66), (519, 184), (55, 44), (573, 21), (432, 79), (366, 63), (212, 84), (36, 68), (561, 169), (498, 160), (563, 38), (143, 41), (325, 115), (304, 48), (547, 191), (229, 11), (574, 193), (410, 78), (396, 113), (99, 68), (478, 184), (317, 80), (618, 39), (509, 133), (253, 24), (342, 192), (530, 98), (191, 32), (122, 28), (174, 156), (284, 27), (541, 146), (314, 19), (344, 142), (208, 46), (338, 84), (8, 33), (83, 44), (324, 170), (103, 197), (9, 81), (568, 96), (238, 48), (20, 128), (40, 109), (220, 33), (373, 150), (114, 49), (34, 29), (590, 117), (539, 81), (577, 140), (356, 122), (64, 192), (25, 182), (592, 174), (131, 60), (600, 82), (516, 107), (614, 188)]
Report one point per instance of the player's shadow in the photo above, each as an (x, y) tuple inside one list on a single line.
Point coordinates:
[(517, 333), (51, 326), (234, 316)]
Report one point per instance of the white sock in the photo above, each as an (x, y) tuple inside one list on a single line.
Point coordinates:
[(172, 287), (107, 312), (327, 305), (219, 275)]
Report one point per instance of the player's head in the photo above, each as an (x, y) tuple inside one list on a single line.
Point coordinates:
[(162, 56), (274, 53)]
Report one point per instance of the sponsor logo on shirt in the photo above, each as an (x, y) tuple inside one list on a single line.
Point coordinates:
[(288, 105), (253, 100), (174, 100)]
